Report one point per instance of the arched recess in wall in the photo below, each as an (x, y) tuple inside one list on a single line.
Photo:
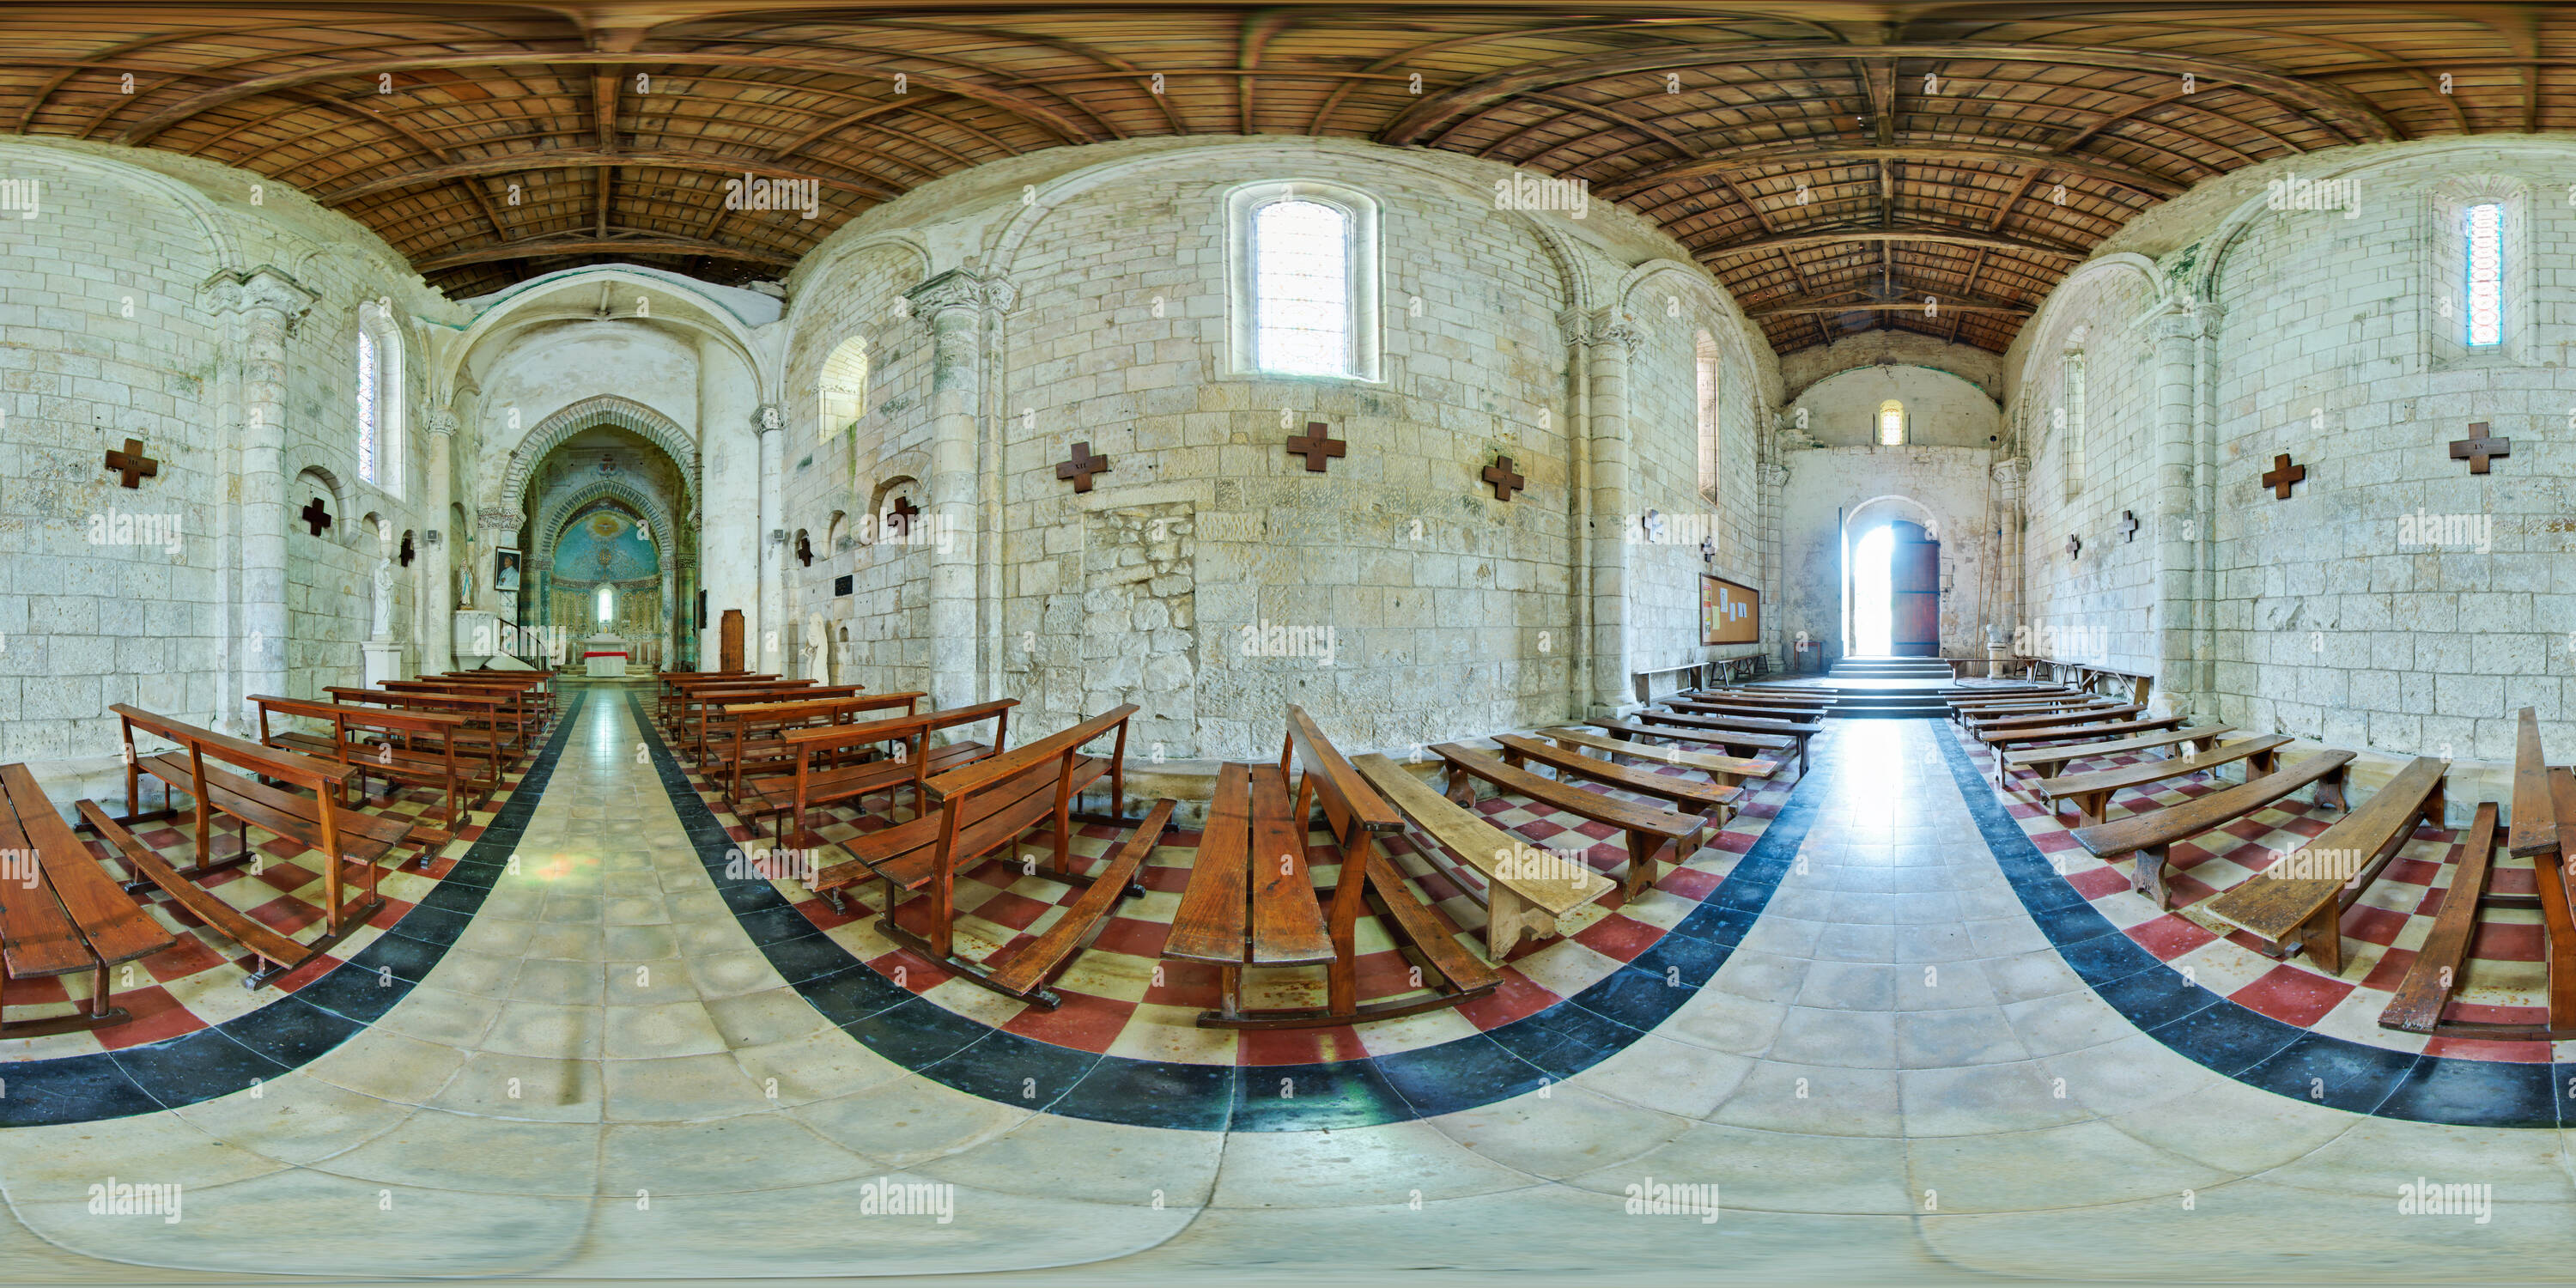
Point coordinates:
[(841, 389), (225, 251), (313, 481), (604, 409), (562, 510), (828, 259), (697, 312), (884, 526), (2045, 339)]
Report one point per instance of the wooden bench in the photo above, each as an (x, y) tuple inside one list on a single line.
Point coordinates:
[(378, 740), (1715, 804), (2048, 761), (828, 771), (2092, 792), (690, 695), (538, 685), (981, 808), (745, 734), (1643, 679), (2425, 993), (1812, 701), (2089, 713), (488, 727), (60, 913), (1724, 771), (1758, 711), (1251, 903), (1651, 831), (712, 703), (1998, 739), (675, 683), (2146, 837), (522, 705), (2308, 911), (320, 821), (1521, 897), (1793, 733), (1741, 745)]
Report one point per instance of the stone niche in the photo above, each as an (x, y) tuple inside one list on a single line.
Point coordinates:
[(1125, 634)]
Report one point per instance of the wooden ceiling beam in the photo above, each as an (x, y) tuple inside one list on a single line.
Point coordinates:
[(1732, 159), (1994, 307), (1801, 239), (514, 162), (650, 245)]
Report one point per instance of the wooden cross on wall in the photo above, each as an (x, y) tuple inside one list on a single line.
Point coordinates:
[(1081, 467), (903, 510), (1504, 480), (1315, 447), (2477, 448), (315, 516), (136, 466), (2283, 476), (2128, 525)]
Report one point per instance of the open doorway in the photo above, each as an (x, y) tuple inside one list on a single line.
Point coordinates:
[(1891, 581)]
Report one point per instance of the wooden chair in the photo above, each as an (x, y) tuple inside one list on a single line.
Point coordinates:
[(2092, 792), (379, 740), (2146, 837), (1655, 835), (1250, 902), (1723, 771), (829, 768), (2308, 911), (62, 915), (978, 810), (321, 821), (1520, 897)]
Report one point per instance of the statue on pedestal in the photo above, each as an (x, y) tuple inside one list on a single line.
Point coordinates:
[(384, 599)]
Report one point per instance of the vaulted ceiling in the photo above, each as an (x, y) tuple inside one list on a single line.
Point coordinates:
[(1832, 163)]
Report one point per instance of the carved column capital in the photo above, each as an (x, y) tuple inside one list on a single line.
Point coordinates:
[(440, 423), (261, 289), (2011, 470), (961, 288)]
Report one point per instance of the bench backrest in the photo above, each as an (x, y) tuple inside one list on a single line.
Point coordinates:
[(426, 699), (965, 781), (313, 772), (2535, 820), (797, 710), (834, 737), (1350, 804), (344, 717)]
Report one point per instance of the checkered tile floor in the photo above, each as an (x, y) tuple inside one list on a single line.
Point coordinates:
[(2506, 980), (196, 982), (1121, 998)]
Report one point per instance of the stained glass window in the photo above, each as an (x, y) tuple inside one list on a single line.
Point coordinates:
[(607, 599), (2486, 274), (368, 420), (1302, 288)]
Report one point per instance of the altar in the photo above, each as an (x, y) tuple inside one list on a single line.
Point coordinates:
[(604, 656)]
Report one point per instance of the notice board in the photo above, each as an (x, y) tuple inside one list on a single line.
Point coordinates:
[(1729, 613)]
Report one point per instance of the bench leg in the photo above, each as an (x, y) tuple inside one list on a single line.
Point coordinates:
[(2322, 935), (2333, 782), (1641, 862), (2148, 878), (1505, 912), (2091, 807)]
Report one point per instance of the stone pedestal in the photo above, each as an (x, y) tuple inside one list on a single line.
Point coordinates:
[(604, 657), (476, 636), (384, 662), (1996, 657)]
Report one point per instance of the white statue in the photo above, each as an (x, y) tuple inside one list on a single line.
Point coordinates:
[(384, 599), (465, 592)]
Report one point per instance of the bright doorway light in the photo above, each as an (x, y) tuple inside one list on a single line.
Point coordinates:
[(1871, 593)]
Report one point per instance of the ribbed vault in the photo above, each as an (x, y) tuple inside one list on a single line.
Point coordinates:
[(1832, 163)]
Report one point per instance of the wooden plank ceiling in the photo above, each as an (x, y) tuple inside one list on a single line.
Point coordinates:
[(1832, 163)]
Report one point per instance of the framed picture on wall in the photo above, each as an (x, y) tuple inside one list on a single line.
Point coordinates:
[(1729, 613), (505, 570)]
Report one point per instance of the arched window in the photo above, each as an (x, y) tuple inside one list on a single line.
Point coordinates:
[(1891, 424), (1304, 293), (2073, 392), (379, 400), (843, 387), (1709, 459), (2482, 233), (607, 604)]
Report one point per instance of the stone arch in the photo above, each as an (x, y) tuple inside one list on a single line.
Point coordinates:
[(560, 513), (603, 409), (334, 491)]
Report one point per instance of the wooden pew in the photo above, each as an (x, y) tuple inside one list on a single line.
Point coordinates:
[(538, 685), (1998, 739), (1521, 897), (743, 734), (1715, 804), (827, 770), (687, 695), (2092, 792), (1741, 745), (378, 740), (1740, 698), (1653, 834), (1250, 902), (2439, 966), (2308, 911), (60, 914), (1797, 731), (1723, 771), (710, 703), (2092, 714), (980, 809), (1726, 707), (675, 683), (2048, 762), (320, 821), (490, 726), (524, 708), (2146, 837)]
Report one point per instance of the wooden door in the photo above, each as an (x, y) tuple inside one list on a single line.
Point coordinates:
[(1914, 592), (729, 641)]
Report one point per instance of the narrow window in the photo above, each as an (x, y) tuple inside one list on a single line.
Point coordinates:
[(1891, 423), (369, 418), (607, 599), (1301, 288), (1709, 457), (844, 387), (2484, 230), (2074, 426)]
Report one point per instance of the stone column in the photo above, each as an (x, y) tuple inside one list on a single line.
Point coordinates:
[(1770, 512), (437, 558), (767, 641), (2178, 336), (2005, 610), (495, 529), (258, 311), (684, 612), (1614, 508), (953, 305)]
